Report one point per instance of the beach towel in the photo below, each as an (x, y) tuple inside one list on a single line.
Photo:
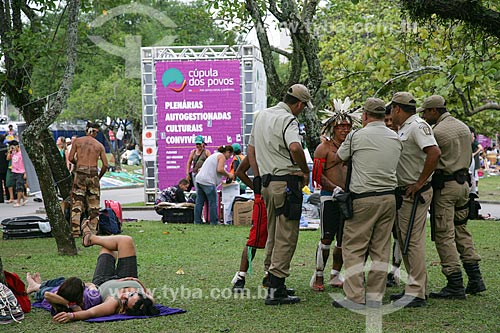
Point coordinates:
[(164, 311)]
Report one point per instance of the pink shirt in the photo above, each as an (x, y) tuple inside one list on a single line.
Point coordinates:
[(17, 163)]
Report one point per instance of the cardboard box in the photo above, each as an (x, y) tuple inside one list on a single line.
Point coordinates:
[(242, 212)]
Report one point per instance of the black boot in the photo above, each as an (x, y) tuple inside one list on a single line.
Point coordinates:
[(277, 293), (476, 283), (454, 289)]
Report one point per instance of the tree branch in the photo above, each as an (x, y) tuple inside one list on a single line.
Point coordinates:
[(273, 8), (410, 73), (467, 11), (282, 52)]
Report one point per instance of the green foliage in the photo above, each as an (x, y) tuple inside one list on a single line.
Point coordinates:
[(100, 87), (369, 49)]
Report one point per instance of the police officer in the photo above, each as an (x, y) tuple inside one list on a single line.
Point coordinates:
[(418, 160), (450, 202), (275, 150), (374, 152)]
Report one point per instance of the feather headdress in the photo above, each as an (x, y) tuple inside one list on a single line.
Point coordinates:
[(339, 113)]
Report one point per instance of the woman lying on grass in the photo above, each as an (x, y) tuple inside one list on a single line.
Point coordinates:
[(120, 289), (64, 295)]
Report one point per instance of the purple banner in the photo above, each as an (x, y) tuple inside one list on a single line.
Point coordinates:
[(484, 141), (195, 98)]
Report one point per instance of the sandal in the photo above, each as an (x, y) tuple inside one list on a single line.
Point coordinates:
[(317, 283), (86, 232)]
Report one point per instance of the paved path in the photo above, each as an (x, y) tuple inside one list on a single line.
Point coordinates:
[(122, 195)]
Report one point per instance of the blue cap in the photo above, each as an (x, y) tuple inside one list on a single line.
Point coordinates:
[(199, 139), (236, 146)]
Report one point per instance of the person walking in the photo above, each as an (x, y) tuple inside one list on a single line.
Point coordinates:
[(275, 150), (374, 153), (207, 180), (417, 162), (449, 211), (85, 154), (331, 178)]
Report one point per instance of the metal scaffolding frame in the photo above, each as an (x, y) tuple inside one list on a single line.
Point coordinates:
[(253, 93)]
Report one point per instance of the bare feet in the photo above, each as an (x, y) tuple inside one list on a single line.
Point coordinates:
[(37, 277), (86, 234), (317, 282), (32, 284)]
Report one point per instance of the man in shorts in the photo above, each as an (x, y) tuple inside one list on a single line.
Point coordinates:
[(331, 178)]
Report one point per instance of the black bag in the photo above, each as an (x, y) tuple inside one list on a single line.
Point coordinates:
[(108, 223), (293, 204), (26, 227), (474, 207), (344, 198), (345, 203)]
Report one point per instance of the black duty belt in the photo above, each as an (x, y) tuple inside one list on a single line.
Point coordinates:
[(279, 178), (424, 188), (370, 194)]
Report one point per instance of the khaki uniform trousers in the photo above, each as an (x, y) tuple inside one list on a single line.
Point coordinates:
[(465, 245), (368, 231), (282, 233), (415, 258), (445, 200)]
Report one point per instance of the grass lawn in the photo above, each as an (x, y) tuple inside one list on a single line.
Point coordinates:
[(209, 257), (489, 188)]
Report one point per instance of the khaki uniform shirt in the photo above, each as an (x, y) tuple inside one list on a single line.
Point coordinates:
[(415, 134), (375, 152), (454, 140), (271, 140)]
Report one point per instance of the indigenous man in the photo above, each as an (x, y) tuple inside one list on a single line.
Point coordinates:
[(85, 154), (331, 177)]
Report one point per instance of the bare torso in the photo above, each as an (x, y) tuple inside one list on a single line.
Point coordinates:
[(331, 176), (86, 152)]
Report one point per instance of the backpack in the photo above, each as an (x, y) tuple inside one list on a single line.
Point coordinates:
[(9, 306), (116, 207), (108, 223), (18, 289)]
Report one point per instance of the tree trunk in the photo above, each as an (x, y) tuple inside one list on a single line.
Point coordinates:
[(2, 276), (60, 227)]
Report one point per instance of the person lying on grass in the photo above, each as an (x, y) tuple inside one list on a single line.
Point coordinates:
[(64, 295), (120, 289)]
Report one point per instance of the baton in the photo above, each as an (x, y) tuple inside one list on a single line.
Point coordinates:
[(418, 198), (432, 212), (340, 232)]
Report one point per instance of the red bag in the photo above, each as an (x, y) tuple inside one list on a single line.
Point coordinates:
[(19, 290), (116, 207), (258, 231)]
